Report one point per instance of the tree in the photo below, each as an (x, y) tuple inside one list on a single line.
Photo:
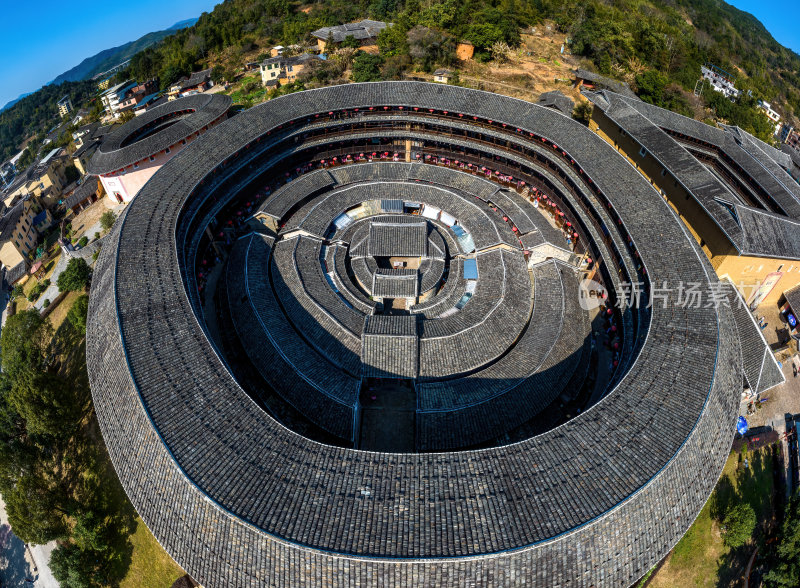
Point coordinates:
[(25, 341), (90, 532), (74, 567), (651, 86), (78, 313), (126, 116), (392, 41), (171, 74), (785, 570), (483, 36), (47, 403), (582, 111), (71, 173), (351, 42), (26, 158), (35, 509), (430, 48), (367, 67), (739, 522), (107, 220), (75, 277), (218, 73)]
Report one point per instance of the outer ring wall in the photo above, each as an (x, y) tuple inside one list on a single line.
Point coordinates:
[(219, 548)]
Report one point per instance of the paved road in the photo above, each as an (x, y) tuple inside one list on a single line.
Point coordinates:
[(52, 290), (20, 566)]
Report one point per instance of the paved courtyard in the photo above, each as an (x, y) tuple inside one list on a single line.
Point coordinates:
[(784, 399)]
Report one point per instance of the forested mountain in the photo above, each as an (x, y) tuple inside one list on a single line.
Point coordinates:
[(660, 43), (109, 58), (37, 113), (11, 103)]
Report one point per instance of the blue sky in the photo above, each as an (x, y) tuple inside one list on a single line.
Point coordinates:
[(40, 39), (781, 17)]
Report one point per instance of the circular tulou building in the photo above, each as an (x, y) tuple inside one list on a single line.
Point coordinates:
[(345, 339), (133, 152)]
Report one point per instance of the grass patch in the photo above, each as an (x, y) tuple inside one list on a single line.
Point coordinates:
[(645, 578), (150, 566), (249, 91), (701, 558), (59, 313)]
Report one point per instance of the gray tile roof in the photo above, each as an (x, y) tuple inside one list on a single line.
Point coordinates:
[(82, 192), (557, 101), (605, 83), (752, 231), (14, 274), (307, 379), (761, 371), (390, 346), (398, 240), (365, 29), (115, 153), (197, 78), (295, 192), (238, 499), (9, 221), (395, 283)]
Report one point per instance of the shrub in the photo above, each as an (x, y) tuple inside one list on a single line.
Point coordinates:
[(97, 235), (582, 112), (77, 314), (75, 277), (367, 67), (46, 303), (83, 241), (107, 220), (37, 290), (740, 521)]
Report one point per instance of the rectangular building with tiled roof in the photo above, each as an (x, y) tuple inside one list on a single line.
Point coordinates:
[(732, 190)]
